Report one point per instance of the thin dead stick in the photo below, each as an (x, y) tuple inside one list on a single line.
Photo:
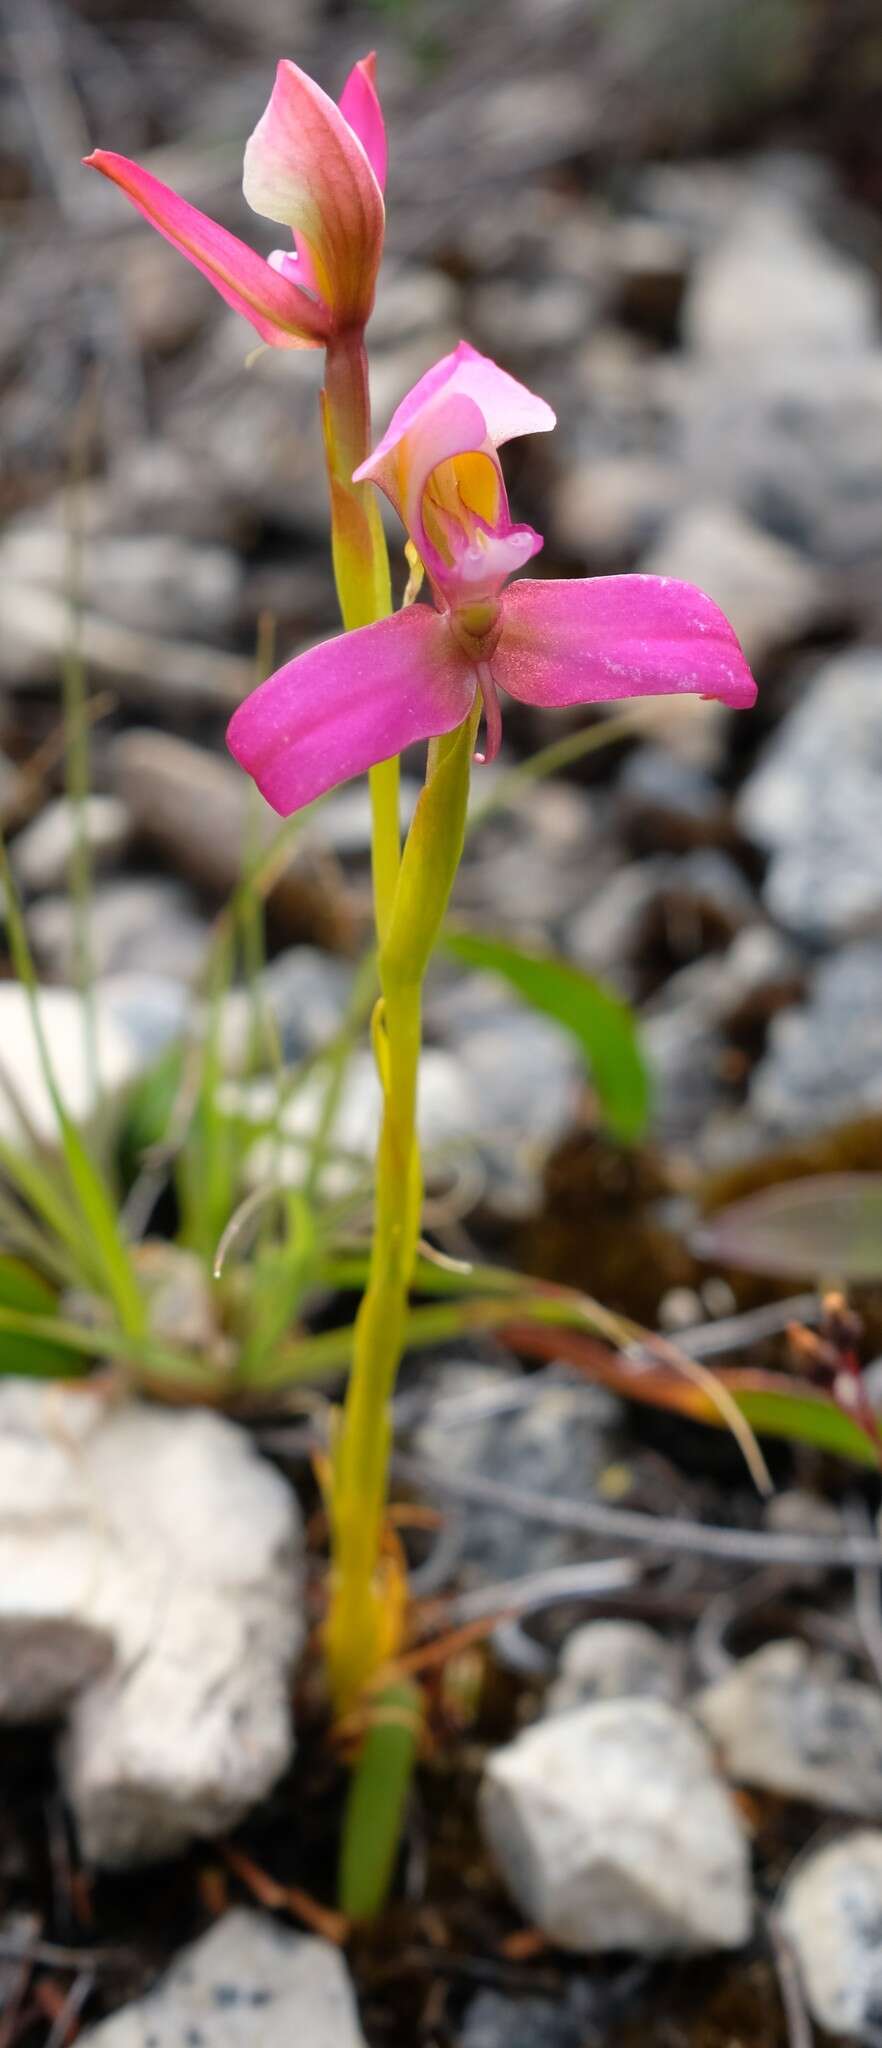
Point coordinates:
[(615, 1525), (605, 1523), (528, 1595)]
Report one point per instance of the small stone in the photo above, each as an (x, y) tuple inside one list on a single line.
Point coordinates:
[(131, 919), (824, 831), (669, 805), (823, 1058), (652, 264), (611, 1660), (249, 1980), (682, 904), (558, 1442), (44, 851), (493, 2020), (608, 511), (611, 1831), (305, 992), (190, 1576), (791, 1724), (531, 318), (796, 1512), (142, 667), (772, 284), (769, 593), (831, 1911), (198, 812)]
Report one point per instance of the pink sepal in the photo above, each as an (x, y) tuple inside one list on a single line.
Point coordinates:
[(349, 703), (283, 314), (360, 106), (592, 641)]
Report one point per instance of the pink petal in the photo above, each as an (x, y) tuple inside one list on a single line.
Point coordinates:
[(353, 701), (617, 636), (360, 106), (283, 314), (507, 408), (305, 166)]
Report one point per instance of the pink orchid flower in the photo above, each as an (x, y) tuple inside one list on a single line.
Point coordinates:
[(318, 168), (364, 696)]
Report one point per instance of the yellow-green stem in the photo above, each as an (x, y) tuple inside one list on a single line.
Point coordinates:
[(361, 569), (361, 1622)]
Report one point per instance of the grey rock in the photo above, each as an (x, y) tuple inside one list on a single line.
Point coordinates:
[(530, 318), (198, 812), (344, 822), (248, 1981), (652, 262), (165, 1537), (797, 441), (822, 830), (136, 579), (685, 1053), (558, 1442), (610, 1660), (667, 804), (773, 285), (609, 510), (44, 850), (831, 1912), (131, 919), (769, 593), (150, 1008), (612, 1831), (790, 1723), (141, 667), (823, 1059), (493, 2020), (305, 992), (677, 901)]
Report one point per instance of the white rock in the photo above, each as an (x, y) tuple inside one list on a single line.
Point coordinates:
[(162, 1545), (831, 1911), (248, 1983), (119, 1059), (788, 1722), (447, 1113), (43, 852), (773, 284), (610, 1660), (612, 1831)]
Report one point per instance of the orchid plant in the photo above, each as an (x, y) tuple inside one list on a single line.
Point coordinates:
[(430, 672)]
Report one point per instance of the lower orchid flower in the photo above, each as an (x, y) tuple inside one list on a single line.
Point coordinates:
[(366, 695)]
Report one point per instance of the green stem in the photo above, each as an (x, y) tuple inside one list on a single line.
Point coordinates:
[(362, 1615), (361, 570)]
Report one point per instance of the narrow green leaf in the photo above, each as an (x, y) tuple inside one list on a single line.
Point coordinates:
[(602, 1025), (90, 1191), (375, 1804), (23, 1289)]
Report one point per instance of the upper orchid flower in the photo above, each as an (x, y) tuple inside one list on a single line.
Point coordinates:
[(318, 168), (358, 699)]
